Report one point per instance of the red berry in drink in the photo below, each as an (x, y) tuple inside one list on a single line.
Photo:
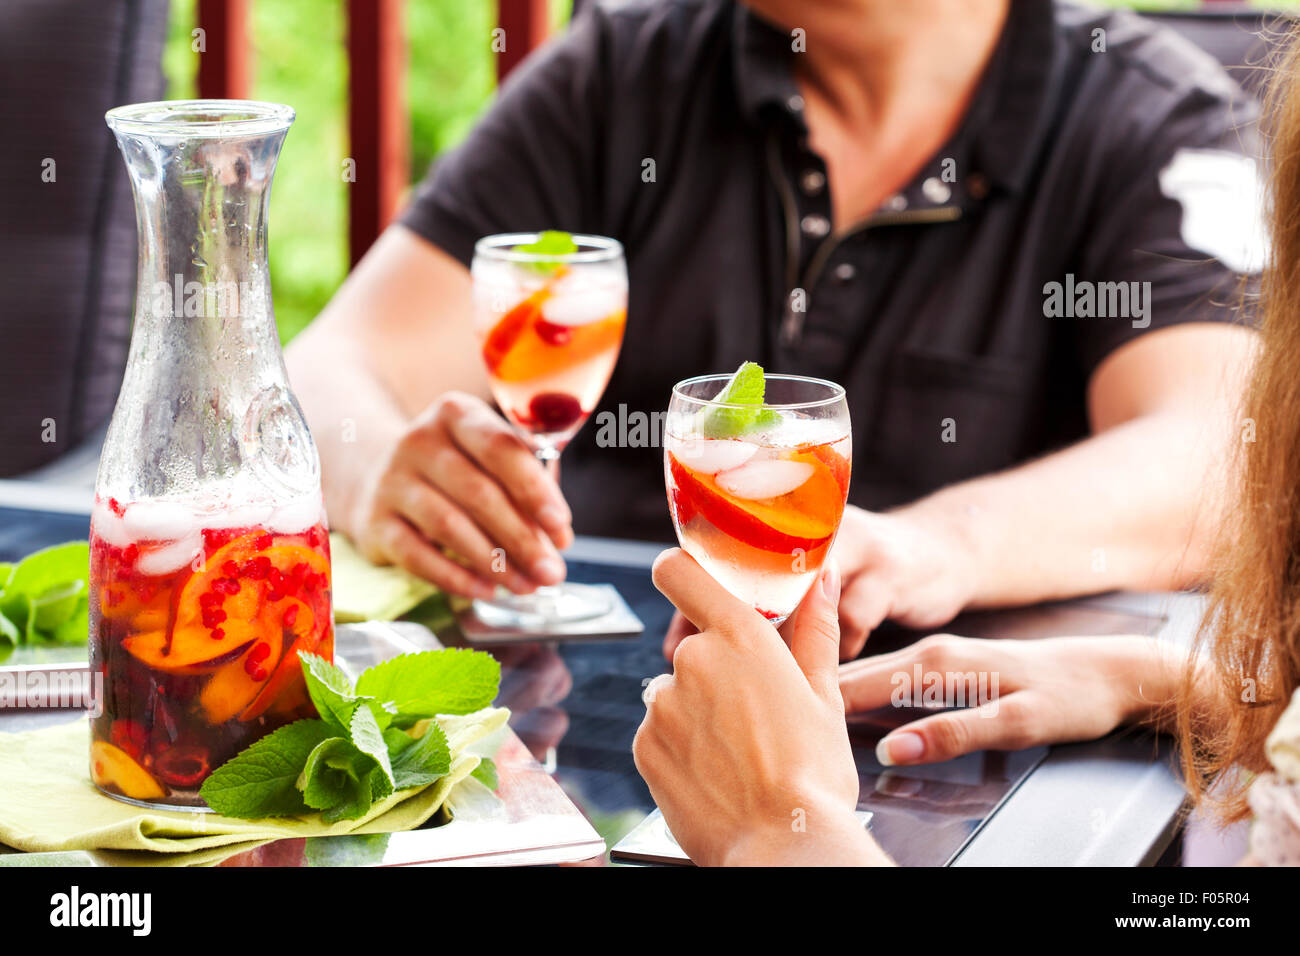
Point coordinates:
[(129, 735), (554, 411), (553, 334), (183, 765)]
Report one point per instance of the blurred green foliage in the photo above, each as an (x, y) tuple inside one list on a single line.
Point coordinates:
[(300, 59)]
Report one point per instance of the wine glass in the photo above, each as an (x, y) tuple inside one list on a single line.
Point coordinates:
[(550, 317)]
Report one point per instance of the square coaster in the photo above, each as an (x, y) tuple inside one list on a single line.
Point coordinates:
[(619, 623)]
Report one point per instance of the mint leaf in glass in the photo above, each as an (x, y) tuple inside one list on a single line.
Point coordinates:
[(745, 387), (262, 780), (551, 242), (449, 681)]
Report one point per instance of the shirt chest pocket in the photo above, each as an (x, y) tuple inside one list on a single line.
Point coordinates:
[(945, 418)]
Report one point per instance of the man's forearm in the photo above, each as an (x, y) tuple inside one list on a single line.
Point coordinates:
[(1136, 506), (353, 419)]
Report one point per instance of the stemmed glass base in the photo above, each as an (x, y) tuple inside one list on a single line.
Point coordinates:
[(546, 607), (551, 605)]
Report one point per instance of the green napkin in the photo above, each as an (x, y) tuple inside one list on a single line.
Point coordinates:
[(366, 592), (47, 802)]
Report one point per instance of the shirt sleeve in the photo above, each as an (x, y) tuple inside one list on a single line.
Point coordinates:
[(1178, 221), (532, 162)]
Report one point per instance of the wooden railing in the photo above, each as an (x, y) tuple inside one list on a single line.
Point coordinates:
[(377, 121)]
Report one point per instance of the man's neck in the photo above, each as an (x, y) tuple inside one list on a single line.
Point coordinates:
[(870, 60)]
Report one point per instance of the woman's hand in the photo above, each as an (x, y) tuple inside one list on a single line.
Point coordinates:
[(1038, 691), (744, 746), (461, 483)]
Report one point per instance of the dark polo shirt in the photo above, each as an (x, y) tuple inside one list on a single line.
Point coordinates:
[(676, 127)]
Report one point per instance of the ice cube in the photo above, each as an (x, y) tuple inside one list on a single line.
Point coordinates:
[(710, 456), (158, 521), (171, 557), (759, 480), (581, 305), (239, 516), (108, 526), (297, 516)]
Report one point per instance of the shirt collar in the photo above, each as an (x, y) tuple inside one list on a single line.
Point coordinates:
[(764, 78), (1009, 114)]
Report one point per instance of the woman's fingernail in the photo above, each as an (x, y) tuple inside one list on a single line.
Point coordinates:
[(905, 747), (548, 570), (831, 581)]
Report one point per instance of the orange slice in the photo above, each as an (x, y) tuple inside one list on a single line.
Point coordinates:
[(113, 769)]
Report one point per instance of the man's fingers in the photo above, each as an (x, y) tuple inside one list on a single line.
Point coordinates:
[(702, 600), (678, 630), (526, 546), (408, 549), (863, 607), (1002, 724), (493, 444), (439, 520)]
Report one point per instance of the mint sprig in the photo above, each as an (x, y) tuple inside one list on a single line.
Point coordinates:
[(357, 752), (452, 681), (45, 598), (550, 242), (746, 387)]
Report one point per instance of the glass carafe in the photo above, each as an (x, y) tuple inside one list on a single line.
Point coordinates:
[(210, 568)]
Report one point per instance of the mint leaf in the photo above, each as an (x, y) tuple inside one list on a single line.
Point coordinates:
[(397, 741), (551, 242), (9, 630), (48, 568), (76, 629), (331, 691), (57, 605), (369, 739), (44, 595), (486, 773), (428, 759), (261, 781), (745, 387), (450, 681), (336, 780)]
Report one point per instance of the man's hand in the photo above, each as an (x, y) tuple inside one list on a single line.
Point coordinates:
[(461, 501), (1046, 691), (744, 747), (916, 572), (896, 566)]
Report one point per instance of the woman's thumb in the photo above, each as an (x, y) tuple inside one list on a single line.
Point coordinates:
[(815, 632)]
